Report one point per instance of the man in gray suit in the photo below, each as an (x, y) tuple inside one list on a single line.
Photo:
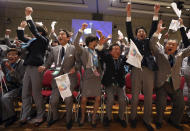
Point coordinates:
[(64, 57), (169, 61), (13, 70)]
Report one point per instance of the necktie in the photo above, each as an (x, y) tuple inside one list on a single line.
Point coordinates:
[(62, 52), (116, 64), (171, 60)]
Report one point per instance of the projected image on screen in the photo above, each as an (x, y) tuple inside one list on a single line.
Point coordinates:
[(104, 26)]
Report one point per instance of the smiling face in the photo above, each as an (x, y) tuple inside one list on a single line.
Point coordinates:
[(141, 34), (171, 47), (115, 51), (12, 56), (62, 38)]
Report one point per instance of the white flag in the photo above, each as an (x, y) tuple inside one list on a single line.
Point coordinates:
[(134, 56), (174, 25), (176, 10), (53, 25), (63, 84), (120, 34)]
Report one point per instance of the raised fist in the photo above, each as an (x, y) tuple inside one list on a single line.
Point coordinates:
[(84, 25), (156, 8), (7, 31), (28, 11), (23, 24)]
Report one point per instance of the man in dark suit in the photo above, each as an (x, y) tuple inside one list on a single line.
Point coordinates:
[(33, 79), (169, 61), (114, 81), (148, 67), (13, 70)]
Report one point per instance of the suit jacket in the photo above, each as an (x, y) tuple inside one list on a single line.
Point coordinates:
[(163, 63), (84, 53), (110, 74), (37, 48), (143, 45), (16, 76), (70, 61)]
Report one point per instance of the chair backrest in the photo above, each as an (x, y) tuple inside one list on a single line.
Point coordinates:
[(128, 81), (47, 78), (182, 82)]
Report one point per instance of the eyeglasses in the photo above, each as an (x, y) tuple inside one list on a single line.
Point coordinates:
[(13, 55)]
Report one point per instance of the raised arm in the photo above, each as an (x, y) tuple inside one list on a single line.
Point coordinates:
[(183, 34), (78, 36), (7, 40), (154, 41), (128, 22), (31, 25), (155, 20), (20, 32)]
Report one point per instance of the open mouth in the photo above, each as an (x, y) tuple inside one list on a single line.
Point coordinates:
[(169, 49)]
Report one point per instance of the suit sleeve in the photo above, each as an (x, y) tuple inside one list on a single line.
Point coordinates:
[(129, 31), (76, 42), (34, 30), (184, 37), (50, 59), (186, 52), (18, 74), (153, 28), (154, 44), (20, 35)]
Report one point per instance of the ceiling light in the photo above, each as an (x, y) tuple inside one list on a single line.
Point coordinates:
[(168, 7)]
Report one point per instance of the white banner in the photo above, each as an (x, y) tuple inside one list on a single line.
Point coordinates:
[(174, 25), (134, 56), (63, 84), (53, 25), (176, 10)]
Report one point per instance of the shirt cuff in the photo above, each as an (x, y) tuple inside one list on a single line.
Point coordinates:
[(182, 26), (20, 28), (29, 17), (7, 36), (128, 19), (155, 18)]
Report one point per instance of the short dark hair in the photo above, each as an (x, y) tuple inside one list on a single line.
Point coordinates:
[(15, 50), (138, 28), (115, 44), (43, 29), (67, 33), (91, 38)]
